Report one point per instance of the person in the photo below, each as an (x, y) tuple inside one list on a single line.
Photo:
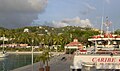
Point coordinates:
[(111, 54)]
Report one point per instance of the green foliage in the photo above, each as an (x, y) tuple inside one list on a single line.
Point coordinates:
[(117, 31), (53, 36), (44, 57)]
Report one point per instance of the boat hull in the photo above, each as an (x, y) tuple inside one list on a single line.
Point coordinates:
[(96, 61), (3, 55)]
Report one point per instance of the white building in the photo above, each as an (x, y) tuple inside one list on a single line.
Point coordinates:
[(26, 30)]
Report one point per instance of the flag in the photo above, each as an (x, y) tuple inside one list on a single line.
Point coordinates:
[(108, 23)]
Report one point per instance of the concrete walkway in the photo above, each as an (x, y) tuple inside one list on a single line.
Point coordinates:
[(57, 63)]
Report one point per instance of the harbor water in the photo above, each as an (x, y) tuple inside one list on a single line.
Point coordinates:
[(14, 61)]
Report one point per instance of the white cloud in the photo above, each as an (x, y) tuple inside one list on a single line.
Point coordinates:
[(85, 23), (59, 24), (72, 22)]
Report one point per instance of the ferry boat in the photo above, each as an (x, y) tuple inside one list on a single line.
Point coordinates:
[(103, 56)]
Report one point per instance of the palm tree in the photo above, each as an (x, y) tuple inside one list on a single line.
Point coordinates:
[(23, 38), (44, 57), (35, 37)]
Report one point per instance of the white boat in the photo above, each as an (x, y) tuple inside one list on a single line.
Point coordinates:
[(3, 55), (104, 55)]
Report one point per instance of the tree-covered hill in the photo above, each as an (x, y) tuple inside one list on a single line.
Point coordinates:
[(48, 35)]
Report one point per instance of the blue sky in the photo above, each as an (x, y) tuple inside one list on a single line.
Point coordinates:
[(58, 10)]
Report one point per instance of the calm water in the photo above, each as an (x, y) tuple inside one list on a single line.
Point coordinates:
[(14, 61)]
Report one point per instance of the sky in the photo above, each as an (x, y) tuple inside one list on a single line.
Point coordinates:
[(20, 13), (59, 13)]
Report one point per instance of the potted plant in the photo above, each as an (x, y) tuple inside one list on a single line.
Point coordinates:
[(44, 57), (47, 58), (41, 59)]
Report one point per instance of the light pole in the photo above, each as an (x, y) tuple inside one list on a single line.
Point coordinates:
[(32, 54), (3, 41)]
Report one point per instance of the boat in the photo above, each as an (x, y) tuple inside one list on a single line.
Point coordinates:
[(102, 56), (3, 54)]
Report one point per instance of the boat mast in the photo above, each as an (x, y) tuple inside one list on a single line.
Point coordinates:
[(107, 25), (102, 26), (102, 19), (107, 30)]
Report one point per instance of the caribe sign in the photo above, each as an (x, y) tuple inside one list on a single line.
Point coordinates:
[(107, 62), (104, 60), (100, 61)]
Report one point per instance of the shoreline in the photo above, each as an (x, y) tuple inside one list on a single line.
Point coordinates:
[(54, 53), (24, 52)]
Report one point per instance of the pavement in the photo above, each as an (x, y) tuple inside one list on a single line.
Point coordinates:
[(57, 63)]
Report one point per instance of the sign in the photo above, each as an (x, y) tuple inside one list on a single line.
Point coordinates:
[(99, 61), (107, 62)]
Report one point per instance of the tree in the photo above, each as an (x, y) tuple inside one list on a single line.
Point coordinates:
[(44, 57), (117, 31)]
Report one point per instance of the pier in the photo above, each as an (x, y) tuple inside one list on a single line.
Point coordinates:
[(56, 64)]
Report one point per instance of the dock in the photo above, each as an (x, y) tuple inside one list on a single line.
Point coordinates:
[(56, 64)]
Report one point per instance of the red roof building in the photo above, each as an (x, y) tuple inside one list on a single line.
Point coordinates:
[(74, 45)]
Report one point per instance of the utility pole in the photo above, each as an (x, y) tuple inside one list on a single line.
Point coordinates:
[(3, 43), (32, 54)]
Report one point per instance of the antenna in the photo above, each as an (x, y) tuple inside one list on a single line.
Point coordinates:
[(113, 29), (107, 25), (102, 26), (102, 18)]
